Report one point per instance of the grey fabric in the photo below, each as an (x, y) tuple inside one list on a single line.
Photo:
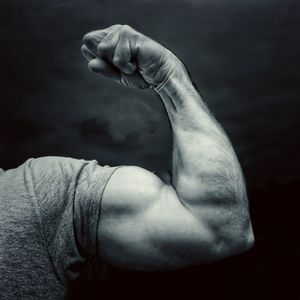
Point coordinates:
[(49, 213)]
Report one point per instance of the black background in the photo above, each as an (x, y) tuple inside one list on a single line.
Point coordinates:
[(244, 57)]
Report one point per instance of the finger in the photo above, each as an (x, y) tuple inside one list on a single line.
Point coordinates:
[(100, 34), (87, 53), (104, 68), (93, 38), (107, 46), (122, 57)]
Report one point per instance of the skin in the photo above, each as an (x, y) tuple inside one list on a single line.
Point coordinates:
[(203, 215)]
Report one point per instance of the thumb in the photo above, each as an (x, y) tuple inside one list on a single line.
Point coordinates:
[(104, 68), (108, 70), (134, 80)]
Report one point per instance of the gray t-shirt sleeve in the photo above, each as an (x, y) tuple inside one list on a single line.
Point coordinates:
[(68, 193)]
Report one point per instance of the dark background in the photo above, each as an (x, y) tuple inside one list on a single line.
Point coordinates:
[(244, 57)]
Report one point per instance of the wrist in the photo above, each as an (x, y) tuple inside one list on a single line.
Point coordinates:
[(177, 81)]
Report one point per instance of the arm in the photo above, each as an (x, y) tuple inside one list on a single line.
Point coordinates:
[(206, 173), (203, 215)]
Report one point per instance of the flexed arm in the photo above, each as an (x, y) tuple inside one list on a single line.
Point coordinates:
[(203, 215)]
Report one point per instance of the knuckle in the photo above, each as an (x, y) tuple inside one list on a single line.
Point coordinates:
[(117, 26), (102, 46), (87, 36), (126, 27)]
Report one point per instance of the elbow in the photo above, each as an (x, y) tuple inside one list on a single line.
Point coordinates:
[(232, 230), (243, 241), (236, 242), (248, 241)]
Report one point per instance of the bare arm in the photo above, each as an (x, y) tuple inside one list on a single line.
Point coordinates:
[(206, 173), (203, 216)]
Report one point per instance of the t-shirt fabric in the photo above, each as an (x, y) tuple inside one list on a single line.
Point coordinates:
[(49, 214)]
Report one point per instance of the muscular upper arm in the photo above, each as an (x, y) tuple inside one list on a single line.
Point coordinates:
[(143, 225)]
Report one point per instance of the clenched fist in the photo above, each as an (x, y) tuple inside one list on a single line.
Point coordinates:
[(129, 57)]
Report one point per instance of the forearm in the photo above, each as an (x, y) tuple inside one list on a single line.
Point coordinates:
[(204, 163)]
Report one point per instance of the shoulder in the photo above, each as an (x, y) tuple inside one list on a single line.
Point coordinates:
[(54, 163), (61, 171)]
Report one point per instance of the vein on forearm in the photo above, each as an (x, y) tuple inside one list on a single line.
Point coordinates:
[(204, 163)]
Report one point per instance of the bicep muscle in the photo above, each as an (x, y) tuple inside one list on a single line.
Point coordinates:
[(144, 226)]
